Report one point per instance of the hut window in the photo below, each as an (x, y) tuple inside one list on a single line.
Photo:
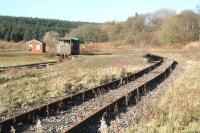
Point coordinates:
[(38, 47), (30, 47)]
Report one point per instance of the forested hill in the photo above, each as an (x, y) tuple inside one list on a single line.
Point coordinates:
[(24, 28)]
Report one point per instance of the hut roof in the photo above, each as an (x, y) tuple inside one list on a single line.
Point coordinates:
[(68, 39), (40, 42)]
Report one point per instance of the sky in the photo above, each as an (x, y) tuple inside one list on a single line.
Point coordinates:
[(89, 10)]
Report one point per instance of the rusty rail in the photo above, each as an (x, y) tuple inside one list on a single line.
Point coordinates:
[(76, 99), (34, 65), (120, 102)]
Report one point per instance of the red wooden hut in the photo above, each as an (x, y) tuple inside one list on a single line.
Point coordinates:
[(36, 46)]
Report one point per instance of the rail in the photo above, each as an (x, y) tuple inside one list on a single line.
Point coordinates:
[(77, 99)]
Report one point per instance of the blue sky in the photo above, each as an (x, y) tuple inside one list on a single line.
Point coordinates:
[(89, 10)]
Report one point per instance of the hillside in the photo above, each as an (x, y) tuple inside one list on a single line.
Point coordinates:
[(25, 28)]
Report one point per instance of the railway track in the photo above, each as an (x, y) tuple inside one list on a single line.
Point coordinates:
[(74, 113), (35, 65), (113, 102)]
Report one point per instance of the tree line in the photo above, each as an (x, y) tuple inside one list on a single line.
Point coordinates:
[(160, 27), (23, 28)]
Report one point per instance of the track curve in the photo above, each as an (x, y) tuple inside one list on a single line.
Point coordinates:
[(131, 86)]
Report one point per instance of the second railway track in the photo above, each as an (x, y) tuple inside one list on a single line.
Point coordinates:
[(73, 114), (35, 65)]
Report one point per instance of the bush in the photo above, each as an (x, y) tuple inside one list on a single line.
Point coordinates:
[(86, 52)]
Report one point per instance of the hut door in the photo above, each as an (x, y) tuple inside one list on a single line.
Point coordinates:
[(74, 49)]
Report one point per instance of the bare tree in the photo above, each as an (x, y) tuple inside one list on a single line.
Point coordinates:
[(198, 11), (50, 38)]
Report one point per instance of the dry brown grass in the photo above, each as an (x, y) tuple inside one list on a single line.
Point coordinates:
[(12, 53), (20, 58), (24, 88), (12, 46), (178, 110), (192, 46)]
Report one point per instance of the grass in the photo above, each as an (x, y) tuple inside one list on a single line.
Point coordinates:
[(29, 87), (178, 110), (12, 53), (19, 58), (12, 46)]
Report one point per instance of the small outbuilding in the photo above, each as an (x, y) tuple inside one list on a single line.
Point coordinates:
[(36, 46), (68, 46)]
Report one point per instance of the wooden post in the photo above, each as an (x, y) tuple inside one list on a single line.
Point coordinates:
[(25, 46)]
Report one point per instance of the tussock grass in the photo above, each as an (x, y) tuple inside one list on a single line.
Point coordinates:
[(28, 87), (178, 110)]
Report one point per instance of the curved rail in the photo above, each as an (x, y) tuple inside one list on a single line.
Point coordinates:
[(121, 101), (76, 99)]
